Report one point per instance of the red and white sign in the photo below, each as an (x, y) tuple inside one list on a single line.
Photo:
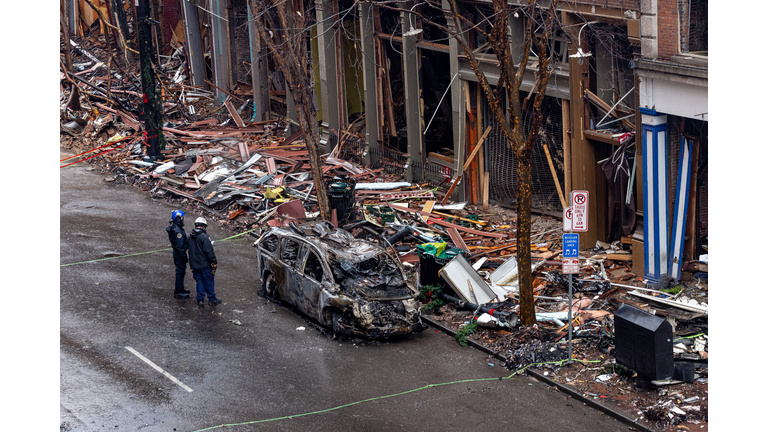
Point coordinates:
[(580, 210), (567, 219), (570, 265)]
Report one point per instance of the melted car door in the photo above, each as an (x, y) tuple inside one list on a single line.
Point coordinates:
[(291, 257), (311, 276)]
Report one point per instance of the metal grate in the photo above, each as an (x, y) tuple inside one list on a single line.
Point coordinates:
[(432, 174), (353, 149), (392, 162), (500, 158)]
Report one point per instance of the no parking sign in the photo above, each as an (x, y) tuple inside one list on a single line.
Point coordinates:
[(580, 210)]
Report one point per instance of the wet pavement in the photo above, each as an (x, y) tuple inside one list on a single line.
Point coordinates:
[(245, 360)]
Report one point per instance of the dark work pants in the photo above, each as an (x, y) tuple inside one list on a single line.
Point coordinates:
[(204, 280), (181, 269)]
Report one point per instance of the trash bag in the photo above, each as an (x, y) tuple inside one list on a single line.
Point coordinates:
[(434, 249)]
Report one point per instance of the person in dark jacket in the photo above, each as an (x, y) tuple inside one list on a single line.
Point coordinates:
[(179, 242), (202, 261)]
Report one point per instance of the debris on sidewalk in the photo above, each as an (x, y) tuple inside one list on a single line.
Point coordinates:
[(255, 175)]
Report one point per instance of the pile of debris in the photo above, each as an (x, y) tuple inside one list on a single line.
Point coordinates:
[(251, 175)]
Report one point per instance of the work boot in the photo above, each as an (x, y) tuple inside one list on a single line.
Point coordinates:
[(200, 303), (181, 295), (185, 291), (214, 302)]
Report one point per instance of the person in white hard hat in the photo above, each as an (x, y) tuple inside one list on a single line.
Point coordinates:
[(202, 261)]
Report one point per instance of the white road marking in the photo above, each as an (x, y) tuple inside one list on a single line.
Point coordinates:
[(159, 369)]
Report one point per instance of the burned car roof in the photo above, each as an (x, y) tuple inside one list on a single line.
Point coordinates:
[(331, 239), (364, 279)]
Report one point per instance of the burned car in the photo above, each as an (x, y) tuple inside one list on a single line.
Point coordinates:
[(353, 286)]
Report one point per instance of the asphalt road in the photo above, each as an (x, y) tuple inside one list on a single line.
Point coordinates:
[(245, 361)]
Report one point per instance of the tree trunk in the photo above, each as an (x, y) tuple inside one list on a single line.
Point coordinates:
[(306, 113), (67, 43), (527, 312)]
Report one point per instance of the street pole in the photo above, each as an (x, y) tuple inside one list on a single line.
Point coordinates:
[(570, 324), (152, 104)]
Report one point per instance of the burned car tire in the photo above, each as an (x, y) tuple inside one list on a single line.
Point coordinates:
[(339, 332), (269, 287)]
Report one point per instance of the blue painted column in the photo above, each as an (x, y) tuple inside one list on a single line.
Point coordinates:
[(656, 213)]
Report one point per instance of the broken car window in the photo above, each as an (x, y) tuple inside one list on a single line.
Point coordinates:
[(313, 268), (270, 243), (290, 251)]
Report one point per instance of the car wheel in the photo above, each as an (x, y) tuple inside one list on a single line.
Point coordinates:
[(336, 323), (270, 287)]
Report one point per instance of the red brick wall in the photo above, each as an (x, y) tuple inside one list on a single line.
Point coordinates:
[(668, 30)]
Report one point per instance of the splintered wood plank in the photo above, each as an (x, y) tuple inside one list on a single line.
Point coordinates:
[(428, 207), (233, 112), (431, 218), (457, 240)]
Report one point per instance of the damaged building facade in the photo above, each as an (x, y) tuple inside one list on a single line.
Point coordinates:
[(624, 117)]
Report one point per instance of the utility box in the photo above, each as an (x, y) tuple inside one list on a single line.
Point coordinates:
[(643, 343)]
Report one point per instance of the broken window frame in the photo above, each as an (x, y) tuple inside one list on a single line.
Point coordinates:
[(283, 249), (310, 252), (275, 241)]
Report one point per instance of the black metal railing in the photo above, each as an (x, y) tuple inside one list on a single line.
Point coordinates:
[(432, 174)]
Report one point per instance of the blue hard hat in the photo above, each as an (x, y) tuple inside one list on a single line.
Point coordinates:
[(177, 213)]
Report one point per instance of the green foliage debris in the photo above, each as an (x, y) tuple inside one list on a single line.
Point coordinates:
[(429, 294), (461, 335)]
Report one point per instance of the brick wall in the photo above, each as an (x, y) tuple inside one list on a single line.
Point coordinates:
[(668, 30)]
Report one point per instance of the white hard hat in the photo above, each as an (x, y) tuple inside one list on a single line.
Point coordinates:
[(201, 221)]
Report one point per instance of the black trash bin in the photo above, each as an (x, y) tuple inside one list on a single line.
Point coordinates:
[(341, 197), (643, 343), (429, 265)]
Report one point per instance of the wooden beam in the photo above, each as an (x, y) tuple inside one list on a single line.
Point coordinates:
[(486, 189), (567, 146), (607, 108), (476, 149), (554, 175), (431, 218), (457, 240), (481, 155), (472, 179), (689, 247), (450, 190)]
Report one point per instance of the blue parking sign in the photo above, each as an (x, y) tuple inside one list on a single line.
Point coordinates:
[(570, 245)]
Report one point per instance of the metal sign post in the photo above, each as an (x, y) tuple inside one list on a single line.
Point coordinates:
[(570, 266)]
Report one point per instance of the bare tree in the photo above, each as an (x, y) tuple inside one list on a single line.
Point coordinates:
[(538, 21), (285, 34)]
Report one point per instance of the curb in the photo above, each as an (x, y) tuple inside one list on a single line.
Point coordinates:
[(616, 414)]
